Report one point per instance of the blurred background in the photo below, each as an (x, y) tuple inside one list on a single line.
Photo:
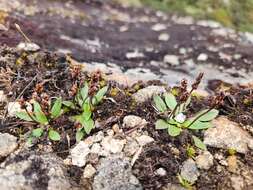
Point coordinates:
[(237, 14)]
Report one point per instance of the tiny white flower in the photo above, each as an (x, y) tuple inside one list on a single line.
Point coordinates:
[(180, 118)]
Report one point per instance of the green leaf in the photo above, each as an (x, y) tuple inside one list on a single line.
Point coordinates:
[(37, 132), (99, 96), (79, 99), (199, 143), (159, 103), (208, 116), (24, 116), (84, 91), (56, 109), (88, 125), (79, 135), (39, 115), (170, 100), (174, 131), (161, 124), (69, 104), (54, 135), (200, 125)]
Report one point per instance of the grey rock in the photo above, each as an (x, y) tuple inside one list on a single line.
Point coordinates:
[(30, 170), (189, 171), (131, 121), (158, 27), (164, 37), (202, 57), (114, 173), (227, 134), (171, 186), (205, 160), (8, 144), (146, 93)]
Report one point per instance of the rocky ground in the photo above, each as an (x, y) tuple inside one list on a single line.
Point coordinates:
[(140, 52)]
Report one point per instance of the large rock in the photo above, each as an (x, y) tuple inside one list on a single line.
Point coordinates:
[(227, 134), (146, 93), (114, 173), (32, 171), (8, 143)]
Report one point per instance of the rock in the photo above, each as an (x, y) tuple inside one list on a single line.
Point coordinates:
[(96, 148), (30, 170), (227, 134), (131, 121), (171, 59), (161, 172), (232, 163), (158, 27), (113, 145), (114, 173), (202, 57), (12, 108), (131, 147), (144, 139), (164, 37), (8, 143), (189, 171), (79, 154), (89, 171), (135, 54), (147, 93), (3, 28), (32, 47), (237, 182), (205, 160)]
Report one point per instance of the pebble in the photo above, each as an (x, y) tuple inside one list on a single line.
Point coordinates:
[(131, 121), (202, 57), (205, 160), (12, 108), (171, 59), (89, 171), (146, 93), (134, 54), (161, 172), (144, 139), (131, 147), (189, 171), (164, 37), (8, 144), (227, 134), (113, 145), (237, 182), (79, 154), (158, 27)]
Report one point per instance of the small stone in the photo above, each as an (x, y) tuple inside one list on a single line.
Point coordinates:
[(110, 132), (189, 171), (204, 161), (146, 93), (131, 121), (158, 27), (232, 163), (164, 37), (96, 148), (202, 57), (8, 144), (237, 182), (171, 59), (190, 63), (113, 145), (79, 154), (161, 172), (116, 128), (228, 135), (3, 28), (171, 186), (144, 139), (98, 137), (3, 97), (131, 147), (135, 54), (180, 118), (89, 171), (12, 108), (182, 51), (32, 47)]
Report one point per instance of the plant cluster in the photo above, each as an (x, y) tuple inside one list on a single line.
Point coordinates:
[(174, 112), (82, 104)]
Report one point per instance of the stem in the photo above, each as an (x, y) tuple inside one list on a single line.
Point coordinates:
[(200, 116), (22, 33), (31, 116), (173, 111)]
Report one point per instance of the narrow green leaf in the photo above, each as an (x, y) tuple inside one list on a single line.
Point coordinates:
[(56, 109), (88, 125), (200, 125), (37, 132), (161, 124), (79, 135), (69, 104), (174, 131), (159, 103), (99, 96), (24, 116), (54, 135), (170, 100), (208, 116), (199, 143), (39, 115), (84, 91)]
